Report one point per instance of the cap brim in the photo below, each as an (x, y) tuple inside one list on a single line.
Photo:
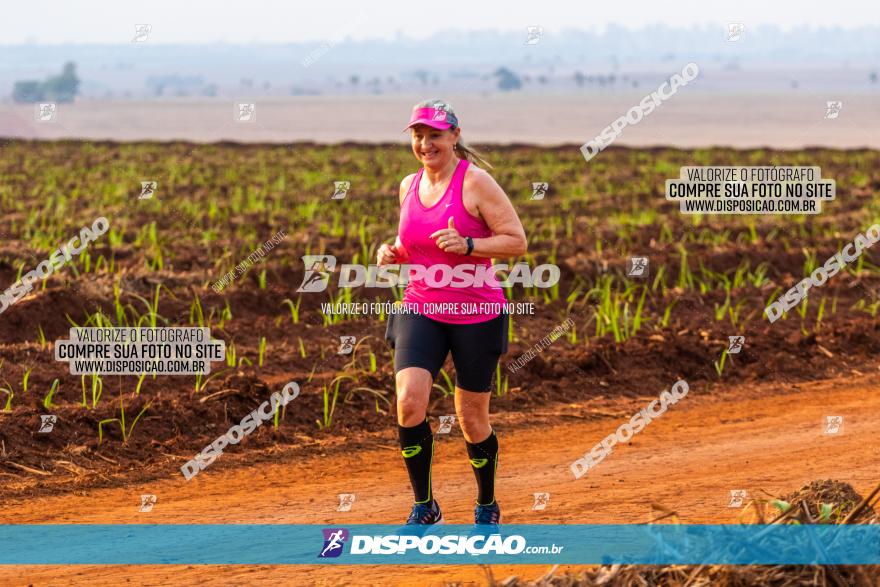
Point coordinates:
[(438, 124)]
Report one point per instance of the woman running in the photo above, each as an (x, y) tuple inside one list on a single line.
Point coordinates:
[(451, 213)]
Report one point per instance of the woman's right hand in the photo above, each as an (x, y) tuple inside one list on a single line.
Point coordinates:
[(387, 255)]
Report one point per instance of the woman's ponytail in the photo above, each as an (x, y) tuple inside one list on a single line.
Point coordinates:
[(470, 154)]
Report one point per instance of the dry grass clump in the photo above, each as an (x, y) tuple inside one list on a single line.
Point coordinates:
[(820, 502)]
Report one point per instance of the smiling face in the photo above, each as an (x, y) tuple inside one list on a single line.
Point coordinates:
[(434, 147)]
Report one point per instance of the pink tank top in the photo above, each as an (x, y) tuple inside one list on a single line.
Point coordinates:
[(477, 303)]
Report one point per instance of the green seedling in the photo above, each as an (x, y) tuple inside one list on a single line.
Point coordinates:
[(47, 401), (660, 280), (196, 315), (501, 386), (820, 313), (225, 314), (137, 390), (685, 275), (262, 351), (377, 395), (202, 381), (117, 305), (719, 365), (667, 314), (330, 406), (152, 314), (9, 395), (126, 432), (802, 312), (312, 372), (735, 312), (294, 309), (97, 389), (449, 388), (230, 354), (572, 334)]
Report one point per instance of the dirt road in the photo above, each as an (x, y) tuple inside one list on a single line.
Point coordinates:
[(759, 437)]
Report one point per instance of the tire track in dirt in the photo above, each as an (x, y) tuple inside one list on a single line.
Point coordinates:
[(755, 437)]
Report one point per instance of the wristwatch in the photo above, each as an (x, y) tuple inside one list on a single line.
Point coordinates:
[(470, 244)]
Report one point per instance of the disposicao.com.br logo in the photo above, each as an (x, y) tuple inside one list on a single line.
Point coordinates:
[(318, 269), (334, 540), (454, 544)]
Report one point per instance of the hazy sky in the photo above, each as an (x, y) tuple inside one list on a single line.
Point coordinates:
[(201, 21)]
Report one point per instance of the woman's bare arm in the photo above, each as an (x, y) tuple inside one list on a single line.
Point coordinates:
[(509, 238)]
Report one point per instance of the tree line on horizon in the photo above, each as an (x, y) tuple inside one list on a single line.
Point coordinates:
[(55, 88)]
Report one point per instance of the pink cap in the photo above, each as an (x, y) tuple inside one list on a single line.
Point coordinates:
[(434, 116)]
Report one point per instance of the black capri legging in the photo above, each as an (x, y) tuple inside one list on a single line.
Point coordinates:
[(419, 341)]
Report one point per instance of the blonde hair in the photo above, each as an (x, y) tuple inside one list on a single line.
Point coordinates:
[(470, 154)]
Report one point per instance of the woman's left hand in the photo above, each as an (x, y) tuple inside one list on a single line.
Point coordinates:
[(450, 240)]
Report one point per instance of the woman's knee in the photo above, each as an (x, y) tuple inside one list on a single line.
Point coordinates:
[(413, 391), (474, 424)]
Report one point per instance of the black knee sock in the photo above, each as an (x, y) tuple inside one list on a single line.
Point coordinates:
[(484, 460), (417, 446)]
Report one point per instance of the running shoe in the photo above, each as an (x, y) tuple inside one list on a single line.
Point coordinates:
[(425, 514), (488, 516)]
